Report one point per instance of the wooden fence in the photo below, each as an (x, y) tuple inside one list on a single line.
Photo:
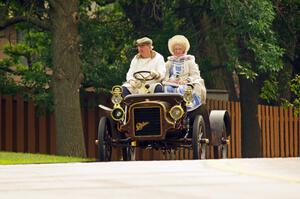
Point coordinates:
[(22, 129)]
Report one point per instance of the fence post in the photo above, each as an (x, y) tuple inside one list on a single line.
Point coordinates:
[(290, 133), (8, 123), (296, 135), (52, 135), (276, 132), (233, 129), (91, 132), (31, 128), (20, 135), (42, 133), (286, 133), (281, 131)]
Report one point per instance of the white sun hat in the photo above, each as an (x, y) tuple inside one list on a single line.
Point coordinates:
[(178, 40)]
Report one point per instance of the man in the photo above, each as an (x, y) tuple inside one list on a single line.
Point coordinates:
[(146, 60)]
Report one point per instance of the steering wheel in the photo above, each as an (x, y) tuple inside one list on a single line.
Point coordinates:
[(143, 75)]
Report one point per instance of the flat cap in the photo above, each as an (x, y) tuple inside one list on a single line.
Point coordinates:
[(143, 40)]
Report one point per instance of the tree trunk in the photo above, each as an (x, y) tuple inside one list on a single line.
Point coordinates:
[(220, 77), (251, 133), (67, 76)]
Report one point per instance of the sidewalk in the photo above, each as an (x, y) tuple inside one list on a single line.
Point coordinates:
[(229, 178)]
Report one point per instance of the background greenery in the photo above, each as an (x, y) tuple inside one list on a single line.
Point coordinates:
[(250, 48), (266, 29)]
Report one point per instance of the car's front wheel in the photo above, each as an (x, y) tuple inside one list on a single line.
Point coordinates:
[(104, 140)]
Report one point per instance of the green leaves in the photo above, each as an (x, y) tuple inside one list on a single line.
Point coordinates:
[(267, 54), (246, 71), (270, 91), (295, 88), (107, 46), (249, 38), (29, 60)]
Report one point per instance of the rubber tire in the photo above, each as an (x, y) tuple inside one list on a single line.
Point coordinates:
[(104, 140), (198, 128)]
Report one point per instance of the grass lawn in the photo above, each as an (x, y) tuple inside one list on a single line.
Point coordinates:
[(29, 158)]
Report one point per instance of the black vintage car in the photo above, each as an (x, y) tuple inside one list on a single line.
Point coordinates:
[(160, 121)]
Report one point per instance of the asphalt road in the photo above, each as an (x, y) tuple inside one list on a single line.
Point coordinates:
[(230, 178)]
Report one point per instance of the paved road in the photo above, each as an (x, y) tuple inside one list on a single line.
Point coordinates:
[(231, 178)]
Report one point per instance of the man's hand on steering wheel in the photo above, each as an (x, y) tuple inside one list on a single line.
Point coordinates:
[(154, 74)]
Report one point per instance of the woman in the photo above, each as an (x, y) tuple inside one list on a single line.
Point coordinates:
[(182, 70)]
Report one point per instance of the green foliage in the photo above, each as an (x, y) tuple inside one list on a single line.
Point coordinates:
[(246, 71), (270, 91), (107, 47), (268, 55), (295, 89), (242, 29), (295, 86), (287, 25), (30, 58), (248, 27), (251, 45), (7, 85), (155, 19)]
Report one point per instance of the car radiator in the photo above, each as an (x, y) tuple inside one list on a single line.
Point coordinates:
[(147, 121)]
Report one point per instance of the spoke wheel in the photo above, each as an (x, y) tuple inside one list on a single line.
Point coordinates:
[(199, 133), (104, 138)]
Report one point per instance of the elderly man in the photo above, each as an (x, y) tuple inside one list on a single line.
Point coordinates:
[(146, 60)]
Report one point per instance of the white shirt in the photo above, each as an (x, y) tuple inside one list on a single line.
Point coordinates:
[(157, 64)]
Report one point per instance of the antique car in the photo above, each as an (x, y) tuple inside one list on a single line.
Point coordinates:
[(160, 121)]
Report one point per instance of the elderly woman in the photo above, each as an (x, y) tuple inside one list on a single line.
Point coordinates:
[(182, 70), (146, 60)]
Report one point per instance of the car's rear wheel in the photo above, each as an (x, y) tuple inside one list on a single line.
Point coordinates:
[(104, 140), (198, 137)]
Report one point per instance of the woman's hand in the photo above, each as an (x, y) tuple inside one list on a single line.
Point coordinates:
[(183, 82), (174, 81)]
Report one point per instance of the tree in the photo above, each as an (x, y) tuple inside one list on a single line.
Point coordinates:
[(107, 46), (60, 18), (24, 68), (233, 36), (287, 27), (250, 48)]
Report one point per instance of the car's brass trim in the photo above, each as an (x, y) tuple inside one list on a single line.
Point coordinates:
[(180, 108), (165, 122)]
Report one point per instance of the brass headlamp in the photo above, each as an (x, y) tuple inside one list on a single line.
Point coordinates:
[(176, 112), (118, 112), (116, 98), (188, 95)]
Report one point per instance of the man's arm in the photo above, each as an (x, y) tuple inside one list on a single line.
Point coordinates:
[(129, 75), (161, 68)]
